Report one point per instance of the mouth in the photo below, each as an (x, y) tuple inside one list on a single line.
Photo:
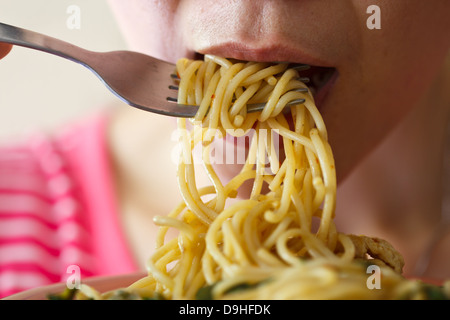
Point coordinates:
[(321, 79)]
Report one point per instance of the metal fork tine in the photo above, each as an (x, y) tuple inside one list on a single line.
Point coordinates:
[(301, 90), (300, 67), (259, 106), (303, 79), (171, 99), (254, 107)]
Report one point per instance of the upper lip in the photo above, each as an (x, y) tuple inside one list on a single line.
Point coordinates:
[(265, 53)]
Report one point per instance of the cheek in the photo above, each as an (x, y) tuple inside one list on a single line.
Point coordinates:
[(393, 72), (149, 26), (366, 105)]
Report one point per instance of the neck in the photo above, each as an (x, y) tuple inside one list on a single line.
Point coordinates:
[(397, 192), (141, 147)]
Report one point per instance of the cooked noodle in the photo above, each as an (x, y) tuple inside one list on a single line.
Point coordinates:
[(280, 242)]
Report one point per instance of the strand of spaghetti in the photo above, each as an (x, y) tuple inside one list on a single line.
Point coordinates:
[(283, 131), (286, 98), (304, 219), (249, 225), (262, 74), (196, 205), (278, 179), (219, 60), (263, 94), (316, 116), (195, 277), (185, 79), (299, 176), (238, 106), (211, 69), (224, 286), (283, 250), (185, 265), (242, 100), (317, 248), (209, 268), (208, 96), (329, 180), (252, 153), (145, 282), (162, 231), (198, 87), (260, 165), (168, 257), (211, 236), (271, 80), (268, 259), (181, 65), (313, 163), (279, 89), (238, 252), (214, 113), (320, 191), (348, 247), (238, 180), (307, 193), (219, 188), (186, 181), (275, 234), (271, 149), (177, 224), (332, 236), (288, 182), (160, 275), (233, 85)]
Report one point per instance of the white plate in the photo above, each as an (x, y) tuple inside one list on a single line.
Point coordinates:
[(102, 284)]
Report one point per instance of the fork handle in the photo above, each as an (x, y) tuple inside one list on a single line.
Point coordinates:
[(33, 40)]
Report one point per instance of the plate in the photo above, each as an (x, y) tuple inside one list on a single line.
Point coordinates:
[(102, 284), (107, 283)]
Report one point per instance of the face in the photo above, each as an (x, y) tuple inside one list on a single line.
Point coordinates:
[(377, 74)]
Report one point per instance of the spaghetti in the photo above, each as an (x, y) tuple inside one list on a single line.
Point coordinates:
[(281, 241)]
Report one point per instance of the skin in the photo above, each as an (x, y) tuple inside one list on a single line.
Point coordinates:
[(333, 33), (4, 49), (386, 114)]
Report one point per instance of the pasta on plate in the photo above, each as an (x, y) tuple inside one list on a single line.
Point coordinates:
[(280, 242)]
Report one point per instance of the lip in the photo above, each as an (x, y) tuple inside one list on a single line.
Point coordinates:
[(268, 53), (275, 52)]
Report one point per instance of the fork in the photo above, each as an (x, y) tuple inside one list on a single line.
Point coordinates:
[(139, 80)]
